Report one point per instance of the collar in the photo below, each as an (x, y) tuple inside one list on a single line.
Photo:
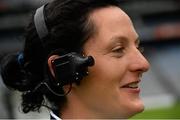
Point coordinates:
[(54, 116)]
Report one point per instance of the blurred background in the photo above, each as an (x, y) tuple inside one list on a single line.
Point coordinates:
[(158, 25)]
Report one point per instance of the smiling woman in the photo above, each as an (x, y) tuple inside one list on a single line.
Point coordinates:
[(86, 63), (119, 65)]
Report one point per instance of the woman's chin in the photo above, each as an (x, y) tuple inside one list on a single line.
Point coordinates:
[(138, 108)]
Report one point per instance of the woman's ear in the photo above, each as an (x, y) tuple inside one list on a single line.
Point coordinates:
[(50, 63)]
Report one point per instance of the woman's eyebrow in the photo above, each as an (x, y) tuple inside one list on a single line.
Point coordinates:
[(118, 39), (122, 39)]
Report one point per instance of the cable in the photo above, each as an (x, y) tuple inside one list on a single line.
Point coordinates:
[(50, 89)]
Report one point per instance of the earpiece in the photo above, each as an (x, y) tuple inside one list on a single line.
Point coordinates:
[(71, 68)]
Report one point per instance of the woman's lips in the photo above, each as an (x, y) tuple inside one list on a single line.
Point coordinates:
[(132, 86)]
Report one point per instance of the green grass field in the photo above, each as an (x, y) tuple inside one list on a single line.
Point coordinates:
[(161, 113)]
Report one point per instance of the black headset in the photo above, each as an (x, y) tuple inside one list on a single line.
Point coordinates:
[(68, 68)]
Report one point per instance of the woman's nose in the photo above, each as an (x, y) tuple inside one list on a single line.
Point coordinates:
[(139, 62)]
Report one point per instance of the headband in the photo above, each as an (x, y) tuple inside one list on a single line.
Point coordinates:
[(40, 23)]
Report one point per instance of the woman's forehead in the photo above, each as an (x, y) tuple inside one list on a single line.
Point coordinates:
[(112, 22), (111, 14)]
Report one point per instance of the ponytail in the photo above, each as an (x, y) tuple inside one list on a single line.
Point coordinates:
[(13, 74), (16, 76)]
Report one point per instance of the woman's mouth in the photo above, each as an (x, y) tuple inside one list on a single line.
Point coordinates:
[(133, 86)]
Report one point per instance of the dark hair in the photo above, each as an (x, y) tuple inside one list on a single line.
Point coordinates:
[(69, 27)]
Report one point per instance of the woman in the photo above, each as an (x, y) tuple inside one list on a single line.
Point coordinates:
[(83, 57)]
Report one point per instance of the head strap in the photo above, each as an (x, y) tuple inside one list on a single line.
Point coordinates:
[(40, 23)]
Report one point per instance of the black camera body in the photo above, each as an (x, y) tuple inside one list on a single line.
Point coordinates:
[(71, 68)]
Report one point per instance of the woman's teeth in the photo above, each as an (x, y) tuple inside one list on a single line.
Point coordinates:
[(133, 85)]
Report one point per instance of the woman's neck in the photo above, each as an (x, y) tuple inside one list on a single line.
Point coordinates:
[(77, 109)]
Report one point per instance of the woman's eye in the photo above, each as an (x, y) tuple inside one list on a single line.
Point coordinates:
[(118, 51)]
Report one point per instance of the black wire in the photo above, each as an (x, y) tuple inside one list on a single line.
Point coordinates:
[(50, 89)]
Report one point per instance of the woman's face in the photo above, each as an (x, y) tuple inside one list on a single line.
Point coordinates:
[(111, 89)]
